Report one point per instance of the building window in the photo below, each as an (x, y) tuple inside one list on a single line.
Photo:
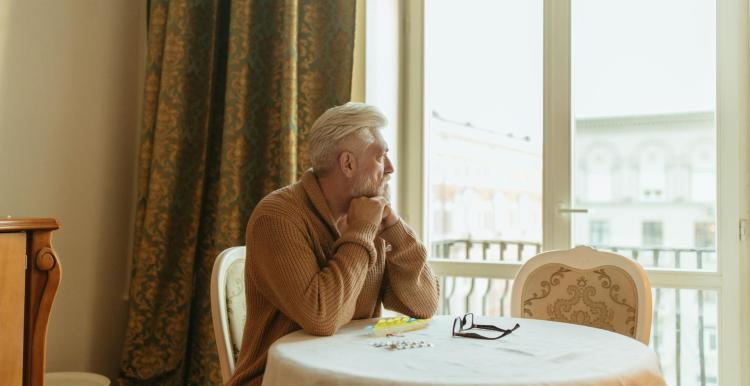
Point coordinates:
[(652, 175), (702, 186), (652, 233), (599, 232), (705, 235), (703, 174), (712, 340), (599, 175)]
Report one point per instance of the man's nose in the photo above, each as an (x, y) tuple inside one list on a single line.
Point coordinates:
[(388, 166)]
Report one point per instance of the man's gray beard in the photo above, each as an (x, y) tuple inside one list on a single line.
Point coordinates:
[(387, 192), (367, 188)]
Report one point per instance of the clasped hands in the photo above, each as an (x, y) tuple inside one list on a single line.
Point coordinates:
[(374, 210)]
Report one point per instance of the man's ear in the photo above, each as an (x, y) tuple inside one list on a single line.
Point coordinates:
[(347, 163)]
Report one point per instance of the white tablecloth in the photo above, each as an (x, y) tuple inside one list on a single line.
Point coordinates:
[(538, 353)]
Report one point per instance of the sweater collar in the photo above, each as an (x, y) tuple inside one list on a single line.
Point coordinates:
[(311, 186)]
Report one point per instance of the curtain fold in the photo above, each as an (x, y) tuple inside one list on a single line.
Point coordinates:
[(231, 89)]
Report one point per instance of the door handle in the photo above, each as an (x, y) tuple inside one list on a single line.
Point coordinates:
[(561, 209)]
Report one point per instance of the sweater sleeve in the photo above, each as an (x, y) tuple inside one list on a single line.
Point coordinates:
[(283, 267), (410, 287)]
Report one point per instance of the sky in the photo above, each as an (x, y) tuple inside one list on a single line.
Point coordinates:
[(484, 59)]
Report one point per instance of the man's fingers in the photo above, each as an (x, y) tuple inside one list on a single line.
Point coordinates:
[(386, 211), (381, 199), (367, 208)]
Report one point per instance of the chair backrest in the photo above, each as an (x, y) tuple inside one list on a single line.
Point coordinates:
[(588, 287), (228, 308)]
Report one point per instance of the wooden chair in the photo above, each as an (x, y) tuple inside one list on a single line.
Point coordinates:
[(588, 287), (228, 308)]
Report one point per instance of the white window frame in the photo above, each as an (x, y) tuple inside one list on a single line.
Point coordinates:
[(732, 279)]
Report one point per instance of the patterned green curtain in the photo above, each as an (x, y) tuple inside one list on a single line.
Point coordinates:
[(231, 88)]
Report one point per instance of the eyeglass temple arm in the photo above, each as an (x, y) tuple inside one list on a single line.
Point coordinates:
[(477, 336), (495, 328)]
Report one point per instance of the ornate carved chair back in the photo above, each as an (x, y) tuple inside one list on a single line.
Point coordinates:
[(228, 307), (588, 287)]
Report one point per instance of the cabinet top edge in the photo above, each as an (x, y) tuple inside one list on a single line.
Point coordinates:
[(27, 224)]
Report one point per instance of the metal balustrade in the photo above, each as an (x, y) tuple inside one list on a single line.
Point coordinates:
[(491, 296)]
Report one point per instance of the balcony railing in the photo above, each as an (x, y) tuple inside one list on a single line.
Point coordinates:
[(672, 310)]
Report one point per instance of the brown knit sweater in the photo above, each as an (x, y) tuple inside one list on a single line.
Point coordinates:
[(300, 273)]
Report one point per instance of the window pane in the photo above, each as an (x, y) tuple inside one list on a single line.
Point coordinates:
[(481, 296), (483, 108), (652, 234), (684, 334), (599, 232), (644, 129), (705, 235)]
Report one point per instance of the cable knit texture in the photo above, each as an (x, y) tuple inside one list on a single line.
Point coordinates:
[(301, 273)]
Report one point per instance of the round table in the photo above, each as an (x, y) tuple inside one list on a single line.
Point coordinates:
[(538, 353)]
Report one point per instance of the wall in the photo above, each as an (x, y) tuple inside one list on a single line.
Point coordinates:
[(70, 88)]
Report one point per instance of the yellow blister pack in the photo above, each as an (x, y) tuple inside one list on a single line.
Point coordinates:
[(396, 325)]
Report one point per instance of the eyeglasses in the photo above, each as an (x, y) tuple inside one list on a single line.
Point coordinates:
[(466, 322)]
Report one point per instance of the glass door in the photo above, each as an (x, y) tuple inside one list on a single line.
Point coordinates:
[(644, 163), (548, 124)]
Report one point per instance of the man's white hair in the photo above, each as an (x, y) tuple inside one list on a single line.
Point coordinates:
[(333, 130)]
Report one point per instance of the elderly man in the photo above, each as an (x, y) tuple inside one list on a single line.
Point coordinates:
[(330, 248)]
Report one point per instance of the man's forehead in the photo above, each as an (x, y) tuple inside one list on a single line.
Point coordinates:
[(380, 142)]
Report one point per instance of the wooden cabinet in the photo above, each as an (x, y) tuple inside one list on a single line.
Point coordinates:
[(12, 289), (29, 277)]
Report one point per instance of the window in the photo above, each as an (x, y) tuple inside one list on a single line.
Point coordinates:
[(598, 169), (702, 174), (712, 340), (651, 234), (657, 91), (486, 123), (705, 235), (652, 174), (599, 232)]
